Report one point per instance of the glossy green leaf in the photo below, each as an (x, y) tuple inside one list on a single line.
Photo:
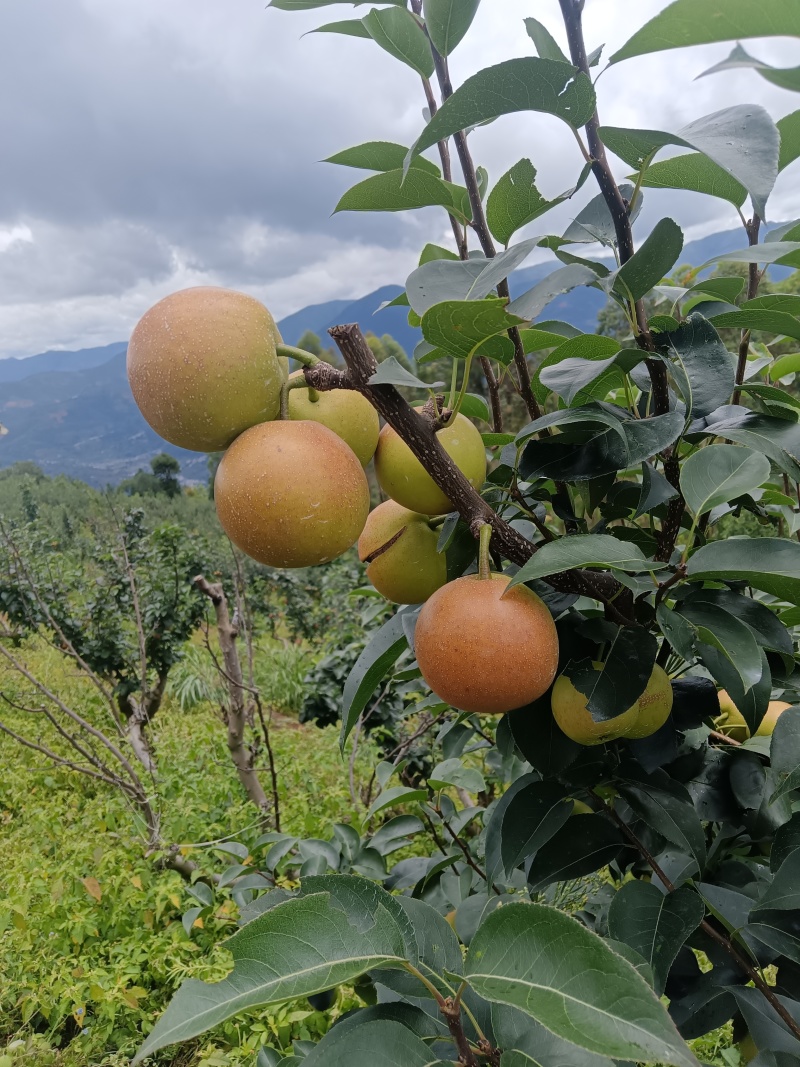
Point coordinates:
[(723, 631), (460, 327), (785, 752), (452, 772), (626, 670), (786, 840), (654, 923), (757, 319), (783, 893), (524, 819), (704, 369), (789, 129), (393, 190), (719, 473), (532, 303), (398, 794), (375, 1043), (298, 948), (584, 550), (397, 31), (383, 649), (546, 44), (695, 173), (771, 564), (769, 252), (546, 964), (743, 140), (778, 439), (587, 348), (690, 22), (440, 280), (529, 1044), (391, 372), (348, 27), (515, 201), (380, 156), (595, 222), (656, 490), (651, 262), (526, 84), (447, 22), (670, 814)]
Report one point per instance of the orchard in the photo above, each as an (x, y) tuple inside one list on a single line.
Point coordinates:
[(573, 597)]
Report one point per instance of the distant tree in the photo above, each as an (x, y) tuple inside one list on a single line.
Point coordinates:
[(311, 343), (166, 469), (24, 467)]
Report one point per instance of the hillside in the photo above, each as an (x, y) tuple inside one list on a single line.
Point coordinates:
[(72, 412)]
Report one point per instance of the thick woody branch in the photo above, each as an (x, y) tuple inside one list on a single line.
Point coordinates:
[(419, 434)]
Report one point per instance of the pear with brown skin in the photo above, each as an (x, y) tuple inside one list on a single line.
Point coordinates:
[(404, 479), (291, 494), (346, 412), (202, 367), (401, 550), (486, 649)]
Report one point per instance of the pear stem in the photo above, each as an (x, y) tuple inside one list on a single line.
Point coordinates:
[(305, 359), (484, 561), (291, 383)]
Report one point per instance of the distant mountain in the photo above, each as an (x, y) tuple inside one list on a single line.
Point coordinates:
[(72, 412), (14, 370)]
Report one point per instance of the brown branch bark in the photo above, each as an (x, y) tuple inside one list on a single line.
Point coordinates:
[(236, 711), (419, 434)]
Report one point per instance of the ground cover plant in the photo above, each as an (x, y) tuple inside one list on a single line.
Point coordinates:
[(630, 659)]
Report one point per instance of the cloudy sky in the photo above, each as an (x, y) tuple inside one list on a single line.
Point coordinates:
[(148, 145)]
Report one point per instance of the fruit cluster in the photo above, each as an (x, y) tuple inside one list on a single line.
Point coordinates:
[(206, 370)]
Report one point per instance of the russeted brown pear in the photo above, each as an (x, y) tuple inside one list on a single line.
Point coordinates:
[(405, 565), (404, 479), (346, 412), (484, 648), (291, 494), (202, 367)]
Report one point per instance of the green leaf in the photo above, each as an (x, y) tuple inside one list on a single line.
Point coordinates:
[(432, 252), (742, 140), (787, 78), (543, 962), (574, 379), (595, 222), (656, 490), (757, 319), (624, 676), (398, 794), (440, 280), (531, 304), (719, 473), (383, 649), (528, 814), (785, 753), (526, 84), (380, 156), (771, 564), (460, 327), (690, 22), (783, 893), (593, 348), (704, 368), (778, 439), (397, 31), (585, 550), (670, 814), (349, 27), (696, 173), (546, 44), (300, 947), (308, 5), (529, 1044), (447, 22), (651, 262), (723, 631), (654, 923), (769, 252), (376, 1043), (390, 372), (786, 840), (394, 191), (438, 952), (453, 772), (515, 201), (475, 407), (789, 129)]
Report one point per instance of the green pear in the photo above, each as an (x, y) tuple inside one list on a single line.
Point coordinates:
[(400, 548)]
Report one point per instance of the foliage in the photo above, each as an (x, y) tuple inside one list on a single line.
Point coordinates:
[(633, 452), (163, 478), (91, 941)]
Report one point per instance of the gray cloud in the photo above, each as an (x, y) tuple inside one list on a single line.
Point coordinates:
[(148, 146)]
